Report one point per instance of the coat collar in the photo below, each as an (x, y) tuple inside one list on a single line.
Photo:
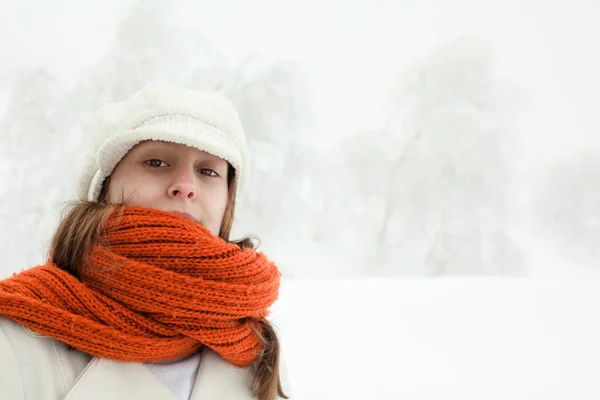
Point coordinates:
[(106, 379)]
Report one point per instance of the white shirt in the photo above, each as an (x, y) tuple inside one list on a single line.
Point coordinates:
[(179, 374)]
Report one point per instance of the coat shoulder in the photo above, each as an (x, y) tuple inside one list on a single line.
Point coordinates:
[(40, 364), (11, 384), (284, 376)]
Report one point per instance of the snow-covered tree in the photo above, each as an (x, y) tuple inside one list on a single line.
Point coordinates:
[(35, 172), (566, 207), (448, 190)]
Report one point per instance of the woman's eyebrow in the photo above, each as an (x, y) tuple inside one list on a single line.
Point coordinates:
[(154, 148)]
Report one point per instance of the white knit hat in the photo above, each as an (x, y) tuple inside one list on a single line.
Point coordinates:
[(161, 111)]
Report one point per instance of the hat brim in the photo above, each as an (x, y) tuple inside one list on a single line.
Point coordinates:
[(205, 138)]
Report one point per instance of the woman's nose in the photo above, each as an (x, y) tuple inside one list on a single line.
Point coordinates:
[(183, 187)]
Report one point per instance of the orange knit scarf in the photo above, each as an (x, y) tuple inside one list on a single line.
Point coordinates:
[(161, 287)]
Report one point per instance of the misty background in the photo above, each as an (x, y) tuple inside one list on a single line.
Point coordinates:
[(387, 138)]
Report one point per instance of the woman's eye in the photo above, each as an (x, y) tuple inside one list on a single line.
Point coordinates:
[(209, 172), (155, 163)]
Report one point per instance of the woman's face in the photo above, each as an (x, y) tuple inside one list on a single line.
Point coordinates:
[(173, 177)]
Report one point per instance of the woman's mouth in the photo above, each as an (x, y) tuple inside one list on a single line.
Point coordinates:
[(184, 214)]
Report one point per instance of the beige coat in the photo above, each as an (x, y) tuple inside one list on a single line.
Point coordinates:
[(35, 367)]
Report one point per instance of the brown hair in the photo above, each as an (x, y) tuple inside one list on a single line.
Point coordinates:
[(79, 229)]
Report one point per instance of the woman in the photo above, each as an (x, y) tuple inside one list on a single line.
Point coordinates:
[(143, 295)]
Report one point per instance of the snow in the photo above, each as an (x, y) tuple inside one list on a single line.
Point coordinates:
[(461, 338)]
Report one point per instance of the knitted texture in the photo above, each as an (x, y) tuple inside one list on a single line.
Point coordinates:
[(157, 286), (160, 111)]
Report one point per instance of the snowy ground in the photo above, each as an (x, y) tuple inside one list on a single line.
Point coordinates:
[(430, 339)]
